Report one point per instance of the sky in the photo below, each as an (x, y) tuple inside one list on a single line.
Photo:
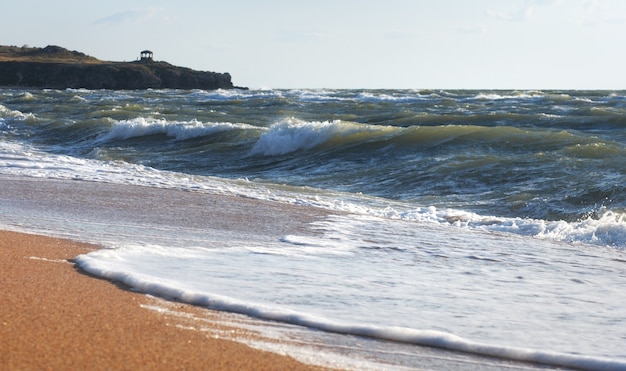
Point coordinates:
[(347, 44)]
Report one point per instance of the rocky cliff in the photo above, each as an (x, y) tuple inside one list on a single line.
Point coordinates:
[(58, 68)]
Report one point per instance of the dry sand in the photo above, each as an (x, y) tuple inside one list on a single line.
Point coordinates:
[(54, 317)]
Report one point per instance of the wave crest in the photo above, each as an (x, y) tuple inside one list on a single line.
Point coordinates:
[(14, 114), (293, 135), (180, 130)]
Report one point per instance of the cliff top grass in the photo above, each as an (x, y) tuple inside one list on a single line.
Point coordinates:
[(49, 54)]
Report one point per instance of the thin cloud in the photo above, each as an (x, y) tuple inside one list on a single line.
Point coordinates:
[(403, 35), (472, 29), (527, 11), (129, 16), (615, 20), (520, 14), (298, 36), (596, 13)]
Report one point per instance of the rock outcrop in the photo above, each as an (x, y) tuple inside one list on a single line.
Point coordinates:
[(58, 68)]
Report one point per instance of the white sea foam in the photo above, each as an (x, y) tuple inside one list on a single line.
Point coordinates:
[(23, 160), (110, 264), (608, 230)]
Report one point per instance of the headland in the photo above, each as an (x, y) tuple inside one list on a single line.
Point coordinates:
[(55, 67)]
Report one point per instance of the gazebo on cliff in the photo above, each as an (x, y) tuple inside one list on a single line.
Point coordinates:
[(146, 56)]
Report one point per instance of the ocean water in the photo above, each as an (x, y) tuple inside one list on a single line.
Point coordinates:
[(482, 222)]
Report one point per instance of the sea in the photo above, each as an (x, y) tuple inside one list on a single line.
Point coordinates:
[(382, 229)]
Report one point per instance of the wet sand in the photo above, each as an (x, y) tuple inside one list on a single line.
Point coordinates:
[(54, 316)]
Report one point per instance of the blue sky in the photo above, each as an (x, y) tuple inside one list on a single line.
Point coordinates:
[(442, 44)]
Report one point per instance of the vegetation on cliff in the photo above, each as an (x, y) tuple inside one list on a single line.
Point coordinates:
[(58, 68)]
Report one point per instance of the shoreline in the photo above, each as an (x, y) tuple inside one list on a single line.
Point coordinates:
[(54, 316), (87, 322)]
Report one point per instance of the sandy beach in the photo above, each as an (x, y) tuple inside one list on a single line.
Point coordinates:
[(54, 317)]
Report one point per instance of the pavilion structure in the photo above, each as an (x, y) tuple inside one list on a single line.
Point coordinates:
[(146, 56)]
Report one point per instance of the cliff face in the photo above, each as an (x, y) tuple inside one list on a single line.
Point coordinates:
[(57, 68), (115, 76)]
